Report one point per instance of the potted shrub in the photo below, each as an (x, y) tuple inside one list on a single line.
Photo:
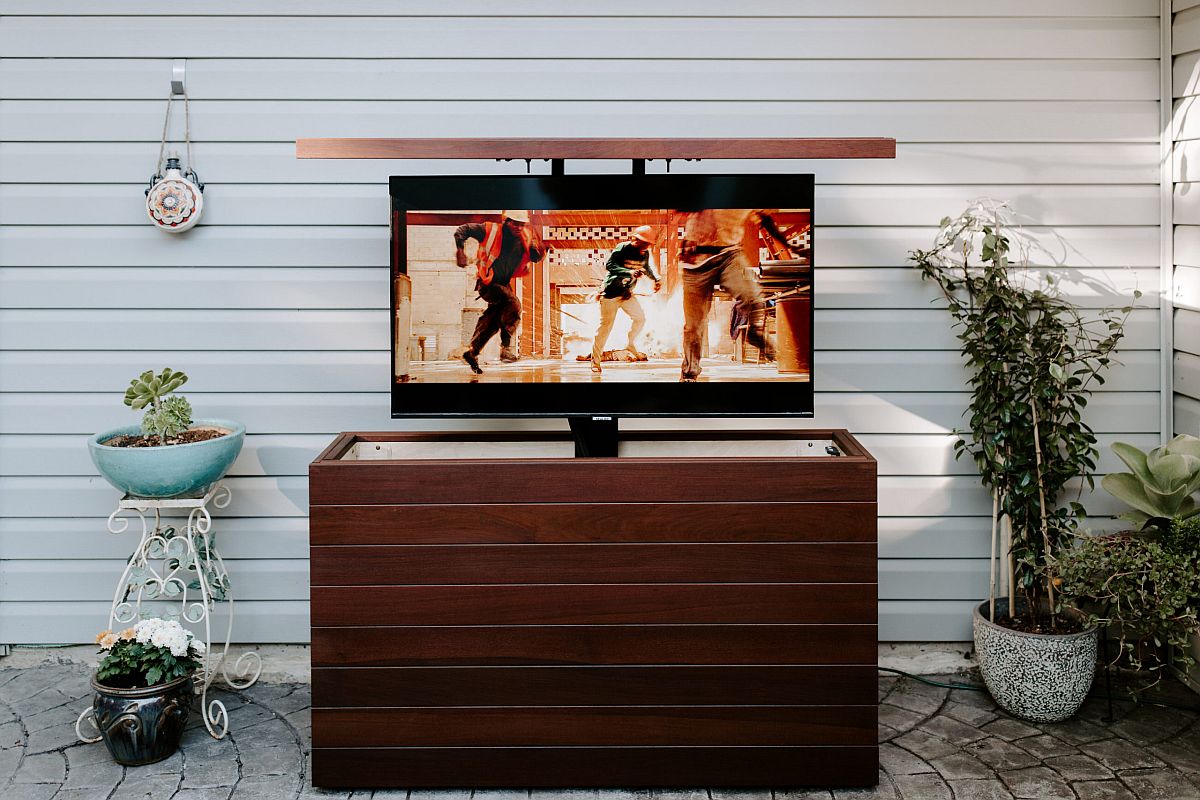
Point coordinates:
[(168, 454), (1145, 583), (1033, 360), (144, 689)]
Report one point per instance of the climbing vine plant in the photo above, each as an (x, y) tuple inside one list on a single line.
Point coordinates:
[(1034, 360)]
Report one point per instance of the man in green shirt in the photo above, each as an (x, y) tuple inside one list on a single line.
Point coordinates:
[(628, 261)]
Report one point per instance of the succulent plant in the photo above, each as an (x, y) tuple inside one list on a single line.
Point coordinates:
[(166, 416), (1162, 482)]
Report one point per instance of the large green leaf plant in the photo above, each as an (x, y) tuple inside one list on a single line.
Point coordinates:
[(1033, 360)]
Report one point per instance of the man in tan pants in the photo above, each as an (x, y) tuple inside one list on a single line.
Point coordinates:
[(628, 261)]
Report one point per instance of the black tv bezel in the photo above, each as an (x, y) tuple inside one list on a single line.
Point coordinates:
[(575, 192)]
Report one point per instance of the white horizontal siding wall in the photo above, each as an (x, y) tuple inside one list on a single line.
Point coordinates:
[(1185, 85), (277, 305)]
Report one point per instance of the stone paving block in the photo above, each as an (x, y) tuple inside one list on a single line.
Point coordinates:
[(172, 764), (146, 787), (884, 790), (9, 761), (1160, 784), (1076, 731), (381, 794), (1037, 783), (925, 745), (266, 787), (50, 739), (971, 715), (42, 701), (310, 792), (918, 697), (952, 730), (897, 761), (207, 793), (1117, 754), (791, 794), (716, 794), (30, 791), (43, 768), (923, 787), (67, 713), (286, 760), (523, 794), (999, 754), (1102, 790), (104, 774), (1184, 757), (81, 754), (1078, 768), (1150, 724), (1045, 746), (886, 685), (987, 789), (11, 735), (899, 718), (271, 733), (958, 766), (886, 734), (1010, 729), (203, 773), (293, 701)]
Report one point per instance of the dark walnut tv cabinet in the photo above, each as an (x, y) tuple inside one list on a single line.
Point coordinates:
[(490, 611)]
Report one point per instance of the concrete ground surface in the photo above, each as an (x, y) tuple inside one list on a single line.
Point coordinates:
[(936, 744)]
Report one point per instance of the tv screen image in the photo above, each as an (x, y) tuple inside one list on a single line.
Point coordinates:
[(602, 304)]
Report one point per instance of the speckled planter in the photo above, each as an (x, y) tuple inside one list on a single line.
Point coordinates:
[(177, 469), (1041, 678), (142, 726)]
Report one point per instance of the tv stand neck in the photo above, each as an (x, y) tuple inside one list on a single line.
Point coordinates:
[(595, 437)]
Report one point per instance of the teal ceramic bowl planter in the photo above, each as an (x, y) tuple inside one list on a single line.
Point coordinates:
[(177, 469)]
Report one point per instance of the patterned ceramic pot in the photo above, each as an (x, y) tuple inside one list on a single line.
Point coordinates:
[(142, 726), (177, 469), (1041, 678)]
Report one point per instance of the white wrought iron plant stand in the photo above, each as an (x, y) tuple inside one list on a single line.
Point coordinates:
[(159, 571)]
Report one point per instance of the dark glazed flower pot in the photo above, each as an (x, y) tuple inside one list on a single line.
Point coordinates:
[(142, 726)]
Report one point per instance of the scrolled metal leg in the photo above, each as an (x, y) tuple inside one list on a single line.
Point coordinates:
[(216, 718), (87, 712), (245, 674)]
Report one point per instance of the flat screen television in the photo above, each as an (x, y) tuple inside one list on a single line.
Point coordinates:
[(590, 296)]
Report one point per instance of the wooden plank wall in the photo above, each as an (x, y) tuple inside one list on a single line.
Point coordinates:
[(276, 304), (1185, 86)]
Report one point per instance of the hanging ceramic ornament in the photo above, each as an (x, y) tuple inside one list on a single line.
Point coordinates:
[(175, 198)]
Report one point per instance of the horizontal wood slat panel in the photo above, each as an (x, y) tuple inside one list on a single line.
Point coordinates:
[(598, 37), (664, 726), (594, 645), (927, 121), (611, 8), (364, 565), (354, 687), (585, 766), (621, 603), (699, 480), (917, 412), (570, 79), (578, 522), (286, 204)]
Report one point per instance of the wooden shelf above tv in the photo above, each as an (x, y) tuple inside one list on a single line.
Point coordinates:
[(518, 148)]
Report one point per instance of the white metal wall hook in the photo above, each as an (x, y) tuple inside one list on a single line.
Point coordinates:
[(178, 76), (175, 197)]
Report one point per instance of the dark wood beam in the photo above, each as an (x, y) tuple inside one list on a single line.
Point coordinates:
[(518, 148)]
